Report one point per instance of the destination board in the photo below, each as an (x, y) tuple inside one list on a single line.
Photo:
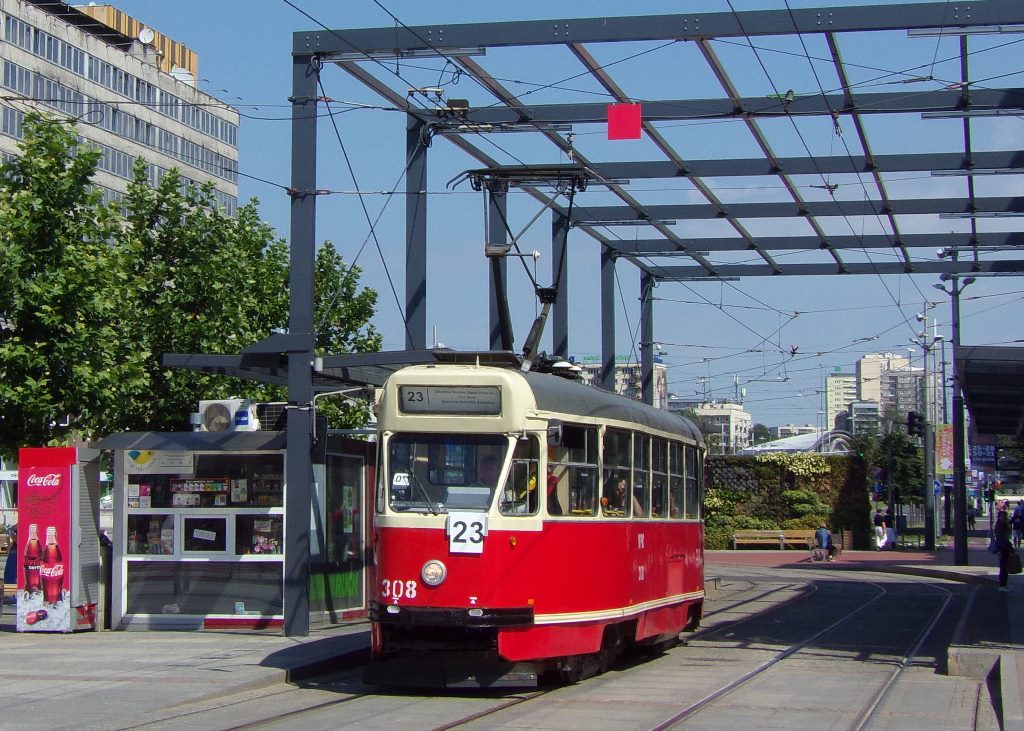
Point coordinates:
[(468, 400)]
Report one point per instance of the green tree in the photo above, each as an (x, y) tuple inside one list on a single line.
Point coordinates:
[(90, 299), (200, 281), (761, 434), (210, 283), (64, 368), (905, 474)]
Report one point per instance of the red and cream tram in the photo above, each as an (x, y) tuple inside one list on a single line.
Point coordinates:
[(525, 524)]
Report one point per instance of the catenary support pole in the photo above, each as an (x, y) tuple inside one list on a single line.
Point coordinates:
[(416, 144), (647, 336), (959, 477), (607, 319), (299, 469)]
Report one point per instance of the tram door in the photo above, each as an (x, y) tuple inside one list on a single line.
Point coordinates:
[(336, 582)]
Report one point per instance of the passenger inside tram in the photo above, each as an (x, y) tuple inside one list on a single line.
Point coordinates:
[(554, 505), (615, 498)]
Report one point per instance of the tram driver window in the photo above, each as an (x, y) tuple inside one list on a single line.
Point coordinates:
[(522, 492), (434, 473)]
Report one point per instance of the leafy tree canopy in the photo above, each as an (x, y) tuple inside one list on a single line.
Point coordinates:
[(92, 295)]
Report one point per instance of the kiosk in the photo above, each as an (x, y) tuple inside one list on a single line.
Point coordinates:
[(199, 529)]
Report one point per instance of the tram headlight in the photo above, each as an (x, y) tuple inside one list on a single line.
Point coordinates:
[(433, 573)]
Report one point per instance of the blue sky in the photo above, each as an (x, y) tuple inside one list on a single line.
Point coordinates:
[(722, 332)]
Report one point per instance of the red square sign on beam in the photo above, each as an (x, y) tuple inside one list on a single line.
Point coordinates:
[(623, 121)]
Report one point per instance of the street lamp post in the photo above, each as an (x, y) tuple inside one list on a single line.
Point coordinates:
[(959, 476), (927, 342)]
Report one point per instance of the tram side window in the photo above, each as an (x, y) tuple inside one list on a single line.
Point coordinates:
[(676, 480), (573, 471), (693, 480), (659, 478), (641, 475), (618, 458), (521, 494)]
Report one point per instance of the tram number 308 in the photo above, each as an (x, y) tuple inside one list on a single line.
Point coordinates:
[(396, 589)]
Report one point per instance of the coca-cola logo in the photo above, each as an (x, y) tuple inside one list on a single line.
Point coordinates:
[(52, 572), (49, 480)]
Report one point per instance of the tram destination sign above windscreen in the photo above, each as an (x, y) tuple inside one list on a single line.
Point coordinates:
[(466, 400)]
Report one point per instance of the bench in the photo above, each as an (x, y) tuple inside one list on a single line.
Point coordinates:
[(5, 544), (780, 539)]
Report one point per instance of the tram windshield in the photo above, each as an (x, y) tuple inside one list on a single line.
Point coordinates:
[(435, 473)]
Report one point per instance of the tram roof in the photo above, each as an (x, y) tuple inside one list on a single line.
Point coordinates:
[(373, 369), (554, 393)]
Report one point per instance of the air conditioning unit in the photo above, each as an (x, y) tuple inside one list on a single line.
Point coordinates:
[(272, 415), (228, 415)]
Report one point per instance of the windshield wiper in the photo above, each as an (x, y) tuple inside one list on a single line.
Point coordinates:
[(423, 491)]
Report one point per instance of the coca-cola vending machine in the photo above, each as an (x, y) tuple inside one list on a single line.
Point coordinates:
[(58, 539)]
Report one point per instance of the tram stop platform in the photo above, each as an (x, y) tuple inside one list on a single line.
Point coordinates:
[(106, 680)]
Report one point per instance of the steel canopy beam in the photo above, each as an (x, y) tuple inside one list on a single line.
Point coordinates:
[(595, 215), (710, 245), (674, 110), (690, 273), (406, 40), (758, 166)]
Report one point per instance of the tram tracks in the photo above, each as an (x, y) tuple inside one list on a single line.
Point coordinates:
[(864, 717), (354, 704)]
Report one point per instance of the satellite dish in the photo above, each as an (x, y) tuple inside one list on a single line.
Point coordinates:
[(146, 35), (217, 417)]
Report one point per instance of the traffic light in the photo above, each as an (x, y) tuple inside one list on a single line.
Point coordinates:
[(915, 423)]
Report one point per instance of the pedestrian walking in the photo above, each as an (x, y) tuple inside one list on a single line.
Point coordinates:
[(1003, 547), (890, 529), (879, 523), (1017, 523)]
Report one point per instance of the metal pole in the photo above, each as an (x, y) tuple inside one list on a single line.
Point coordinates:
[(607, 319), (416, 145), (647, 336), (959, 486), (947, 490), (929, 461), (299, 470)]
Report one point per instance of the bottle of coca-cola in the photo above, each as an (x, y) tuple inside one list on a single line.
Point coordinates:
[(33, 557), (52, 569)]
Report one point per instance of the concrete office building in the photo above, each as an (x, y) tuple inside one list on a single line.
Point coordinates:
[(130, 90), (629, 380), (728, 421), (792, 430), (869, 373), (862, 419)]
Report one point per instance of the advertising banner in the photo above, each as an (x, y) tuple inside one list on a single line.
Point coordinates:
[(944, 449), (45, 492), (983, 451)]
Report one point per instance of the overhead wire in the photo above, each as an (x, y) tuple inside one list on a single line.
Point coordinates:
[(369, 221)]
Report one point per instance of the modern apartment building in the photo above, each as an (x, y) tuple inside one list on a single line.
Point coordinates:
[(840, 392), (130, 91)]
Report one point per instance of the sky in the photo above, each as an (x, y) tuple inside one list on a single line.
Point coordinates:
[(770, 341)]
